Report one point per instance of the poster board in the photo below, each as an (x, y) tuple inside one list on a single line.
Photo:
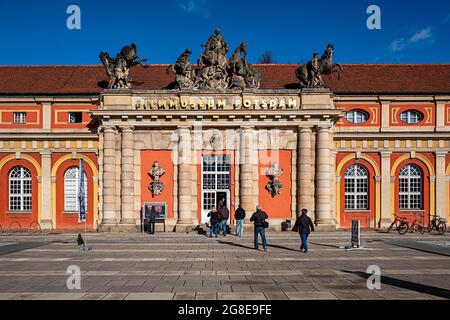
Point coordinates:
[(161, 213)]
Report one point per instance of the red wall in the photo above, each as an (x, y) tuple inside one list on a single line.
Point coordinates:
[(427, 110), (410, 214), (279, 206), (164, 157), (33, 121), (26, 218), (374, 111), (69, 220), (60, 116)]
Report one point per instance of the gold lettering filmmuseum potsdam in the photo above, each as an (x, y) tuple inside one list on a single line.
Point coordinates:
[(257, 103)]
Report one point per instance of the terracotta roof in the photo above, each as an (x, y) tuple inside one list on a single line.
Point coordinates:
[(358, 79)]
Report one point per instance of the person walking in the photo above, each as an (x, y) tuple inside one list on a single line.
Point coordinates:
[(259, 220), (239, 216), (304, 226), (224, 216), (151, 220), (214, 221)]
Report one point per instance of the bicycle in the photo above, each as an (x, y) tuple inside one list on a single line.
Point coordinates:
[(438, 224), (418, 225), (400, 224)]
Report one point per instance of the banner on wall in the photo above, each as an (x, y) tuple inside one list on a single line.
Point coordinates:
[(81, 194)]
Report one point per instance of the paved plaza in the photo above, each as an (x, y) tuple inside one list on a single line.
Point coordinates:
[(193, 266)]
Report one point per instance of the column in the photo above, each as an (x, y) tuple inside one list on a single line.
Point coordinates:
[(248, 171), (127, 176), (385, 220), (46, 185), (441, 188), (184, 179), (323, 174), (305, 183), (109, 176)]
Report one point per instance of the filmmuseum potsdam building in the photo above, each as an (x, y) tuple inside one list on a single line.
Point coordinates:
[(347, 142)]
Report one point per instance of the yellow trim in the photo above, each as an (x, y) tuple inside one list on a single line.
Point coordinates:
[(338, 203), (95, 183), (447, 173), (37, 166), (418, 156), (377, 171), (37, 111), (353, 156)]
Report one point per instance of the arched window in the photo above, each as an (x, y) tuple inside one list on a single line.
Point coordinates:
[(20, 190), (71, 189), (410, 183), (357, 116), (411, 116), (356, 188)]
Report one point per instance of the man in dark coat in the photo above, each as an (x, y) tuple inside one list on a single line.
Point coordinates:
[(239, 215), (214, 221), (304, 226), (258, 218), (224, 216), (151, 217)]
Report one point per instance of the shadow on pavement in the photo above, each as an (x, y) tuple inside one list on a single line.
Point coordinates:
[(413, 286)]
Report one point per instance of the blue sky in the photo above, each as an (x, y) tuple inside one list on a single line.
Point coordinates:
[(35, 32)]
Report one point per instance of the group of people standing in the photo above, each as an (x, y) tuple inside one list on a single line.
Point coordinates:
[(219, 219)]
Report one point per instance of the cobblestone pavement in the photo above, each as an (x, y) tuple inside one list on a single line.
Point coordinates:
[(182, 266)]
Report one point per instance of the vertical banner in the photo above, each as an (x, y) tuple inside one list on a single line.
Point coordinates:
[(81, 194)]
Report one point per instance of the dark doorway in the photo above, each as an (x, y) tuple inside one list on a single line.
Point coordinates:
[(221, 196)]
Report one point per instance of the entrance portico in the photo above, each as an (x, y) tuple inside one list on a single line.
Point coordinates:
[(208, 153)]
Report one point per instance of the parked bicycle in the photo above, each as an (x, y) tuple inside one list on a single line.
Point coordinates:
[(400, 224), (418, 223), (437, 223)]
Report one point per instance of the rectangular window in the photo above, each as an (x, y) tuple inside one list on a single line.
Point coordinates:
[(20, 117), (75, 117)]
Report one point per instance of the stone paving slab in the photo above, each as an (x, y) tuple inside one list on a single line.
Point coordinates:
[(311, 296), (150, 296), (126, 266)]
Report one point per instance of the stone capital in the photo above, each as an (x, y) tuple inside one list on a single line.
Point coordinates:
[(127, 129), (386, 154), (441, 154), (326, 126), (303, 129), (45, 154), (108, 129)]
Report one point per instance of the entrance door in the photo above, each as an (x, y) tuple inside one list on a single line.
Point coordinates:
[(216, 185)]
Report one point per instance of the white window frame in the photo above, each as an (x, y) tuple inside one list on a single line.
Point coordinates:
[(71, 117), (359, 173), (71, 189), (357, 116), (210, 194), (409, 117), (22, 195), (19, 117), (409, 177)]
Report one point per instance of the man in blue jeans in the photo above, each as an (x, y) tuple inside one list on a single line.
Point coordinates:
[(239, 215), (258, 218), (304, 226)]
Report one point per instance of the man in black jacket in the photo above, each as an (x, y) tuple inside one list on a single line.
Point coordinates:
[(215, 218), (304, 225), (224, 216), (239, 216), (152, 220), (258, 218)]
